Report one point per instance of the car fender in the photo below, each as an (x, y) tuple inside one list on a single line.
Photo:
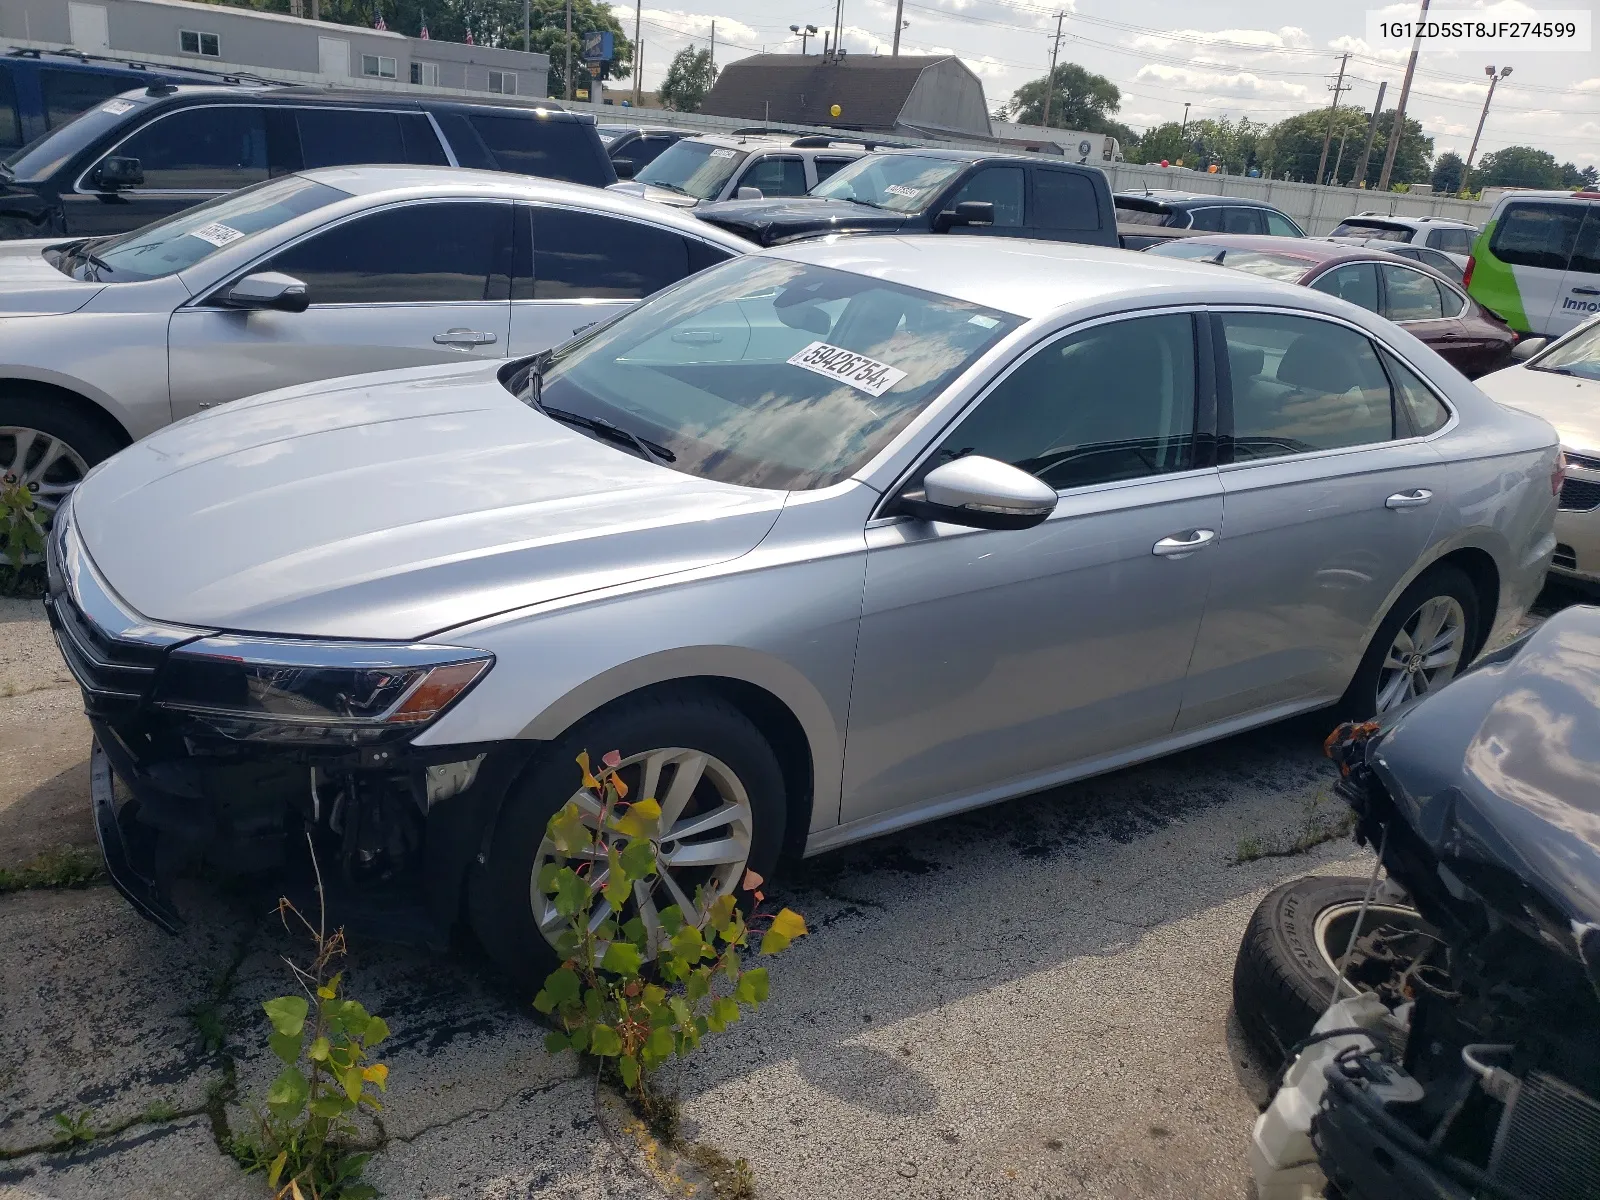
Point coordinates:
[(97, 396)]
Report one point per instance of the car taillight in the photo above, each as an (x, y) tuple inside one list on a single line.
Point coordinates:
[(1466, 276), (1558, 475)]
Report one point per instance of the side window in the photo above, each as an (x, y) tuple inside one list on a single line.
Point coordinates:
[(1586, 255), (534, 145), (645, 150), (578, 255), (421, 142), (1209, 219), (1537, 235), (10, 119), (465, 142), (1300, 385), (214, 149), (1355, 282), (1451, 241), (414, 254), (68, 93), (1000, 186), (1064, 200), (1410, 295), (1279, 225), (827, 166), (775, 177), (1239, 219), (703, 254), (337, 137), (1452, 300), (1422, 410), (1113, 402)]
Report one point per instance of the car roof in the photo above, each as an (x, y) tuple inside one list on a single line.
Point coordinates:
[(416, 182), (1175, 198), (1403, 222), (301, 92)]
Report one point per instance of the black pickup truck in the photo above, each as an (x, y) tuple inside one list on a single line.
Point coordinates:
[(934, 191)]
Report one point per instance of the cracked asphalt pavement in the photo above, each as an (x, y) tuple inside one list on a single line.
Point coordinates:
[(1031, 1000)]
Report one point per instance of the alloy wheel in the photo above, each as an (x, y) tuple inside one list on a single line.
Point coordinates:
[(44, 464), (707, 825), (1425, 654)]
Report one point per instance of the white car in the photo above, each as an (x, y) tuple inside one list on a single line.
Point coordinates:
[(1448, 236), (1561, 383), (740, 166), (305, 277)]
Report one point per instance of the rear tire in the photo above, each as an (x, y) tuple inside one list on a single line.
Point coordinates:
[(1443, 585)]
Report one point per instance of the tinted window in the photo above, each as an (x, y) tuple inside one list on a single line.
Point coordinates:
[(534, 145), (1586, 255), (1279, 225), (1451, 241), (1242, 220), (1452, 300), (68, 93), (1113, 402), (776, 177), (1209, 219), (580, 254), (646, 150), (465, 142), (1000, 186), (1537, 235), (827, 166), (1424, 412), (1355, 282), (1369, 229), (1128, 214), (334, 137), (1410, 295), (1300, 385), (1064, 200), (10, 121), (703, 255), (201, 149), (418, 253)]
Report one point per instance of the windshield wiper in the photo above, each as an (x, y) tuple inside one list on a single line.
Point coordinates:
[(533, 396), (671, 187)]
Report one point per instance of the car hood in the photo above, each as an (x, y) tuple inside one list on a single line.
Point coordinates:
[(1498, 769), (767, 222), (31, 287), (392, 506), (1572, 405)]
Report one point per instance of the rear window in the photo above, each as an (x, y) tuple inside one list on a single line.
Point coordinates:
[(1451, 241), (1268, 264), (1064, 200), (530, 144), (1537, 235), (1372, 229), (1128, 214)]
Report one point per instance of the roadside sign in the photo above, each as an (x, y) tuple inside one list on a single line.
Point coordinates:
[(597, 46)]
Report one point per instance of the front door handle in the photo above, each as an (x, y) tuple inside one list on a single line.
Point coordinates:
[(1180, 544), (1586, 291), (462, 338), (1415, 498)]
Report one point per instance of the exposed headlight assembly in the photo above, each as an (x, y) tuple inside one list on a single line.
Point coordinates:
[(352, 693)]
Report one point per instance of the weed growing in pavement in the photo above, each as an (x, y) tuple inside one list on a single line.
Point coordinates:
[(66, 867), (305, 1135), (72, 1131), (630, 995), (21, 530), (1318, 825)]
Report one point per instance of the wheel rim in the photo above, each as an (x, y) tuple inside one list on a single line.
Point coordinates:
[(1425, 653), (43, 463), (708, 827)]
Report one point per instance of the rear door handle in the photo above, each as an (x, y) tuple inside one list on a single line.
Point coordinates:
[(462, 338), (1586, 291), (1180, 544), (1415, 498)]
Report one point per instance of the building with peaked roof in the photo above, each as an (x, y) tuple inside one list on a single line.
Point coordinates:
[(909, 94)]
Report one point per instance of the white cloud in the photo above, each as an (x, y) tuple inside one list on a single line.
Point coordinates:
[(1237, 84), (1289, 36)]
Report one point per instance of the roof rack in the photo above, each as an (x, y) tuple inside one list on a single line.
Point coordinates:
[(132, 64)]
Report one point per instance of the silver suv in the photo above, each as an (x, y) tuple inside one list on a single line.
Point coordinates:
[(1444, 234), (742, 166)]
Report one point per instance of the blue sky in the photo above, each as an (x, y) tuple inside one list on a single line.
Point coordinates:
[(1237, 59)]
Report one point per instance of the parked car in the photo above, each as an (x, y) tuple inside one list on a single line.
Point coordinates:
[(631, 148), (1537, 261), (824, 541), (1561, 383), (1446, 264), (1149, 217), (1443, 235), (936, 191), (41, 90), (1425, 303), (1461, 1058), (145, 155), (718, 166), (304, 277)]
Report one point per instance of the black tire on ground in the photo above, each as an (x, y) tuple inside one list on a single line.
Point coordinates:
[(93, 440), (1359, 701), (498, 898), (1281, 980)]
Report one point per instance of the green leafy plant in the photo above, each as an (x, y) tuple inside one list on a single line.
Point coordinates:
[(306, 1132), (21, 527), (72, 1131), (629, 994)]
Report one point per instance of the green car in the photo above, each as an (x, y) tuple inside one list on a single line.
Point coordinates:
[(1537, 261)]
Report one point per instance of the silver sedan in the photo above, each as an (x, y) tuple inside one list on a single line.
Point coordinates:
[(824, 541)]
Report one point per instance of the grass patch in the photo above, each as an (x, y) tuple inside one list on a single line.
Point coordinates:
[(64, 867), (1325, 820)]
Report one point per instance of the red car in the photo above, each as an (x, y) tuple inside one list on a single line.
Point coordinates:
[(1429, 306)]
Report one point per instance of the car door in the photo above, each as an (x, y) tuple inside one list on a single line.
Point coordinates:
[(1002, 186), (1580, 286), (774, 175), (989, 657), (188, 156), (1330, 495), (1355, 282), (1066, 206), (401, 286), (1534, 241), (575, 268), (1411, 300)]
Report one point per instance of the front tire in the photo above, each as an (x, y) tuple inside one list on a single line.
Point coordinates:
[(719, 785), (49, 446), (1426, 640)]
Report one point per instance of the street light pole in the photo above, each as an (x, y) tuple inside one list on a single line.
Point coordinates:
[(1397, 128), (1466, 172)]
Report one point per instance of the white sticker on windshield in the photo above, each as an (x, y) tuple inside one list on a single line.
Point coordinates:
[(722, 154), (217, 233), (900, 189), (117, 107), (860, 372)]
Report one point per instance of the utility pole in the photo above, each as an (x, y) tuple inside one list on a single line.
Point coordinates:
[(899, 18), (713, 45), (826, 34), (638, 53), (1184, 128), (1397, 128), (1466, 171), (1333, 113), (1360, 176), (527, 26), (838, 25), (1339, 159), (1050, 84), (569, 50)]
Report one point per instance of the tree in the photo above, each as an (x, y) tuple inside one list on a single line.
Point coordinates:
[(1586, 179), (1081, 100), (1293, 146), (1447, 173), (1233, 146), (689, 77), (1518, 166)]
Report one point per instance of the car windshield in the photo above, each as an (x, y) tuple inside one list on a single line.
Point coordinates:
[(1268, 264), (766, 373), (610, 133), (1578, 355), (692, 168), (902, 183), (180, 241), (45, 155), (1367, 229)]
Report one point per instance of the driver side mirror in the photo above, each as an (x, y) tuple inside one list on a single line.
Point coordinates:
[(116, 173), (269, 289), (623, 167), (1528, 347), (751, 193), (981, 493), (968, 212)]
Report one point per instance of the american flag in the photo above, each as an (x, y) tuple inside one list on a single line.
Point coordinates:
[(424, 30), (379, 24), (469, 37)]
